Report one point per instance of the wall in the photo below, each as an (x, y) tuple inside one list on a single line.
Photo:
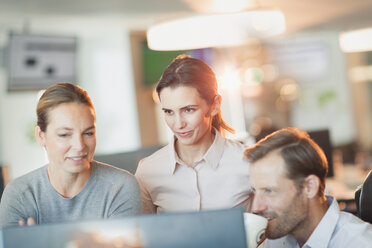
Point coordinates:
[(316, 63), (104, 70)]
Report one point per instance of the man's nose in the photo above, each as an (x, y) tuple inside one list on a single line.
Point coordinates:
[(259, 204)]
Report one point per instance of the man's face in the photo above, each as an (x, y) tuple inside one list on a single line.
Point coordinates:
[(277, 197)]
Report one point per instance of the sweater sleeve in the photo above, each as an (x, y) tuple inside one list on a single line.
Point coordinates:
[(127, 200), (12, 207)]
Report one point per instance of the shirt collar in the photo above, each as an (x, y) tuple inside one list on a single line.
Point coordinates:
[(215, 151), (211, 157), (321, 235), (323, 232), (172, 155)]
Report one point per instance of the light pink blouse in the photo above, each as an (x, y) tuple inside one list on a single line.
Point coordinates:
[(219, 180)]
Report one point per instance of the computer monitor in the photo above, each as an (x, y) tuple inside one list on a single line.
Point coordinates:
[(322, 138), (219, 228)]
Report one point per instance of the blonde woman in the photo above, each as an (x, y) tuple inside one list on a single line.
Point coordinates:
[(72, 186)]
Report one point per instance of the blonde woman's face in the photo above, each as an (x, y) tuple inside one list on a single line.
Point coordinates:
[(70, 137), (187, 114)]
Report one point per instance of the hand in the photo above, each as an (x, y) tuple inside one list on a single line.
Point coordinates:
[(30, 222)]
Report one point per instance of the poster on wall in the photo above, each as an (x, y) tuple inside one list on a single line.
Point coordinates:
[(36, 62), (155, 62)]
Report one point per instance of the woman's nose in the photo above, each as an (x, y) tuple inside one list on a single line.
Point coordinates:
[(180, 122), (78, 142)]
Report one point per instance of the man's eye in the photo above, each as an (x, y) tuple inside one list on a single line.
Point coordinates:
[(89, 133), (63, 135), (268, 191)]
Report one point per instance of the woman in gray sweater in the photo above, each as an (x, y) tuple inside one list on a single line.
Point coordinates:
[(72, 186)]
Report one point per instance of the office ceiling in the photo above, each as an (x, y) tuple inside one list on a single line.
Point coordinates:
[(300, 14)]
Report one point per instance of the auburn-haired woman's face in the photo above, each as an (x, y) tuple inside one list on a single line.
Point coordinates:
[(187, 114)]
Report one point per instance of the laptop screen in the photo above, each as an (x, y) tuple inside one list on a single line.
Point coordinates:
[(219, 228)]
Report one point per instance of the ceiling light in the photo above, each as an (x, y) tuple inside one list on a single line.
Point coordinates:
[(219, 6), (356, 41), (215, 30)]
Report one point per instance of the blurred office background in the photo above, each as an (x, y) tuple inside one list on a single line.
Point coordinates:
[(301, 77)]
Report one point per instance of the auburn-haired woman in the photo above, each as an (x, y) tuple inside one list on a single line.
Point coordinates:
[(199, 169)]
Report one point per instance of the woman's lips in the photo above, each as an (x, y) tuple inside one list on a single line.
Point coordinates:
[(78, 158), (184, 134)]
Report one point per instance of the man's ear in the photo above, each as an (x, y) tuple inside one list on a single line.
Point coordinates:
[(216, 105), (311, 186), (40, 136)]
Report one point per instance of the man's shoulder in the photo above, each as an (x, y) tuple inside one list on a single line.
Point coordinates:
[(352, 230), (283, 242), (350, 221)]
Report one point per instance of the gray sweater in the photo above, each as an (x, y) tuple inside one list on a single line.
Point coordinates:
[(109, 192)]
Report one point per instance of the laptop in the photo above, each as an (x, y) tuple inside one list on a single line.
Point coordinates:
[(217, 228)]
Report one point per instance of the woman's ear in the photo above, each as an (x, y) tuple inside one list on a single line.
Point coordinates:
[(216, 105), (40, 136), (311, 186)]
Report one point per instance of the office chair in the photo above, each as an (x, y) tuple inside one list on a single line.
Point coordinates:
[(363, 199)]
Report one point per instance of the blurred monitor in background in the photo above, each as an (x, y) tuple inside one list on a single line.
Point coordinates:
[(322, 138)]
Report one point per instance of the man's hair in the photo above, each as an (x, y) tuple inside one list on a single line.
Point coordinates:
[(302, 156)]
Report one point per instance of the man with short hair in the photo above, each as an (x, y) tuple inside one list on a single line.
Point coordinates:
[(288, 171)]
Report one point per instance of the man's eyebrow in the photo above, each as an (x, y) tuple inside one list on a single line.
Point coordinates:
[(91, 127)]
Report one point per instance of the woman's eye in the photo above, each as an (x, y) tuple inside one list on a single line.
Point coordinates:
[(168, 112), (63, 135), (189, 110)]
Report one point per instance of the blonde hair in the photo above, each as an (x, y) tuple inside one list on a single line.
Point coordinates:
[(57, 94)]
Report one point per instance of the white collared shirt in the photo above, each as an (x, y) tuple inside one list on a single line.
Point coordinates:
[(336, 229), (219, 180)]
